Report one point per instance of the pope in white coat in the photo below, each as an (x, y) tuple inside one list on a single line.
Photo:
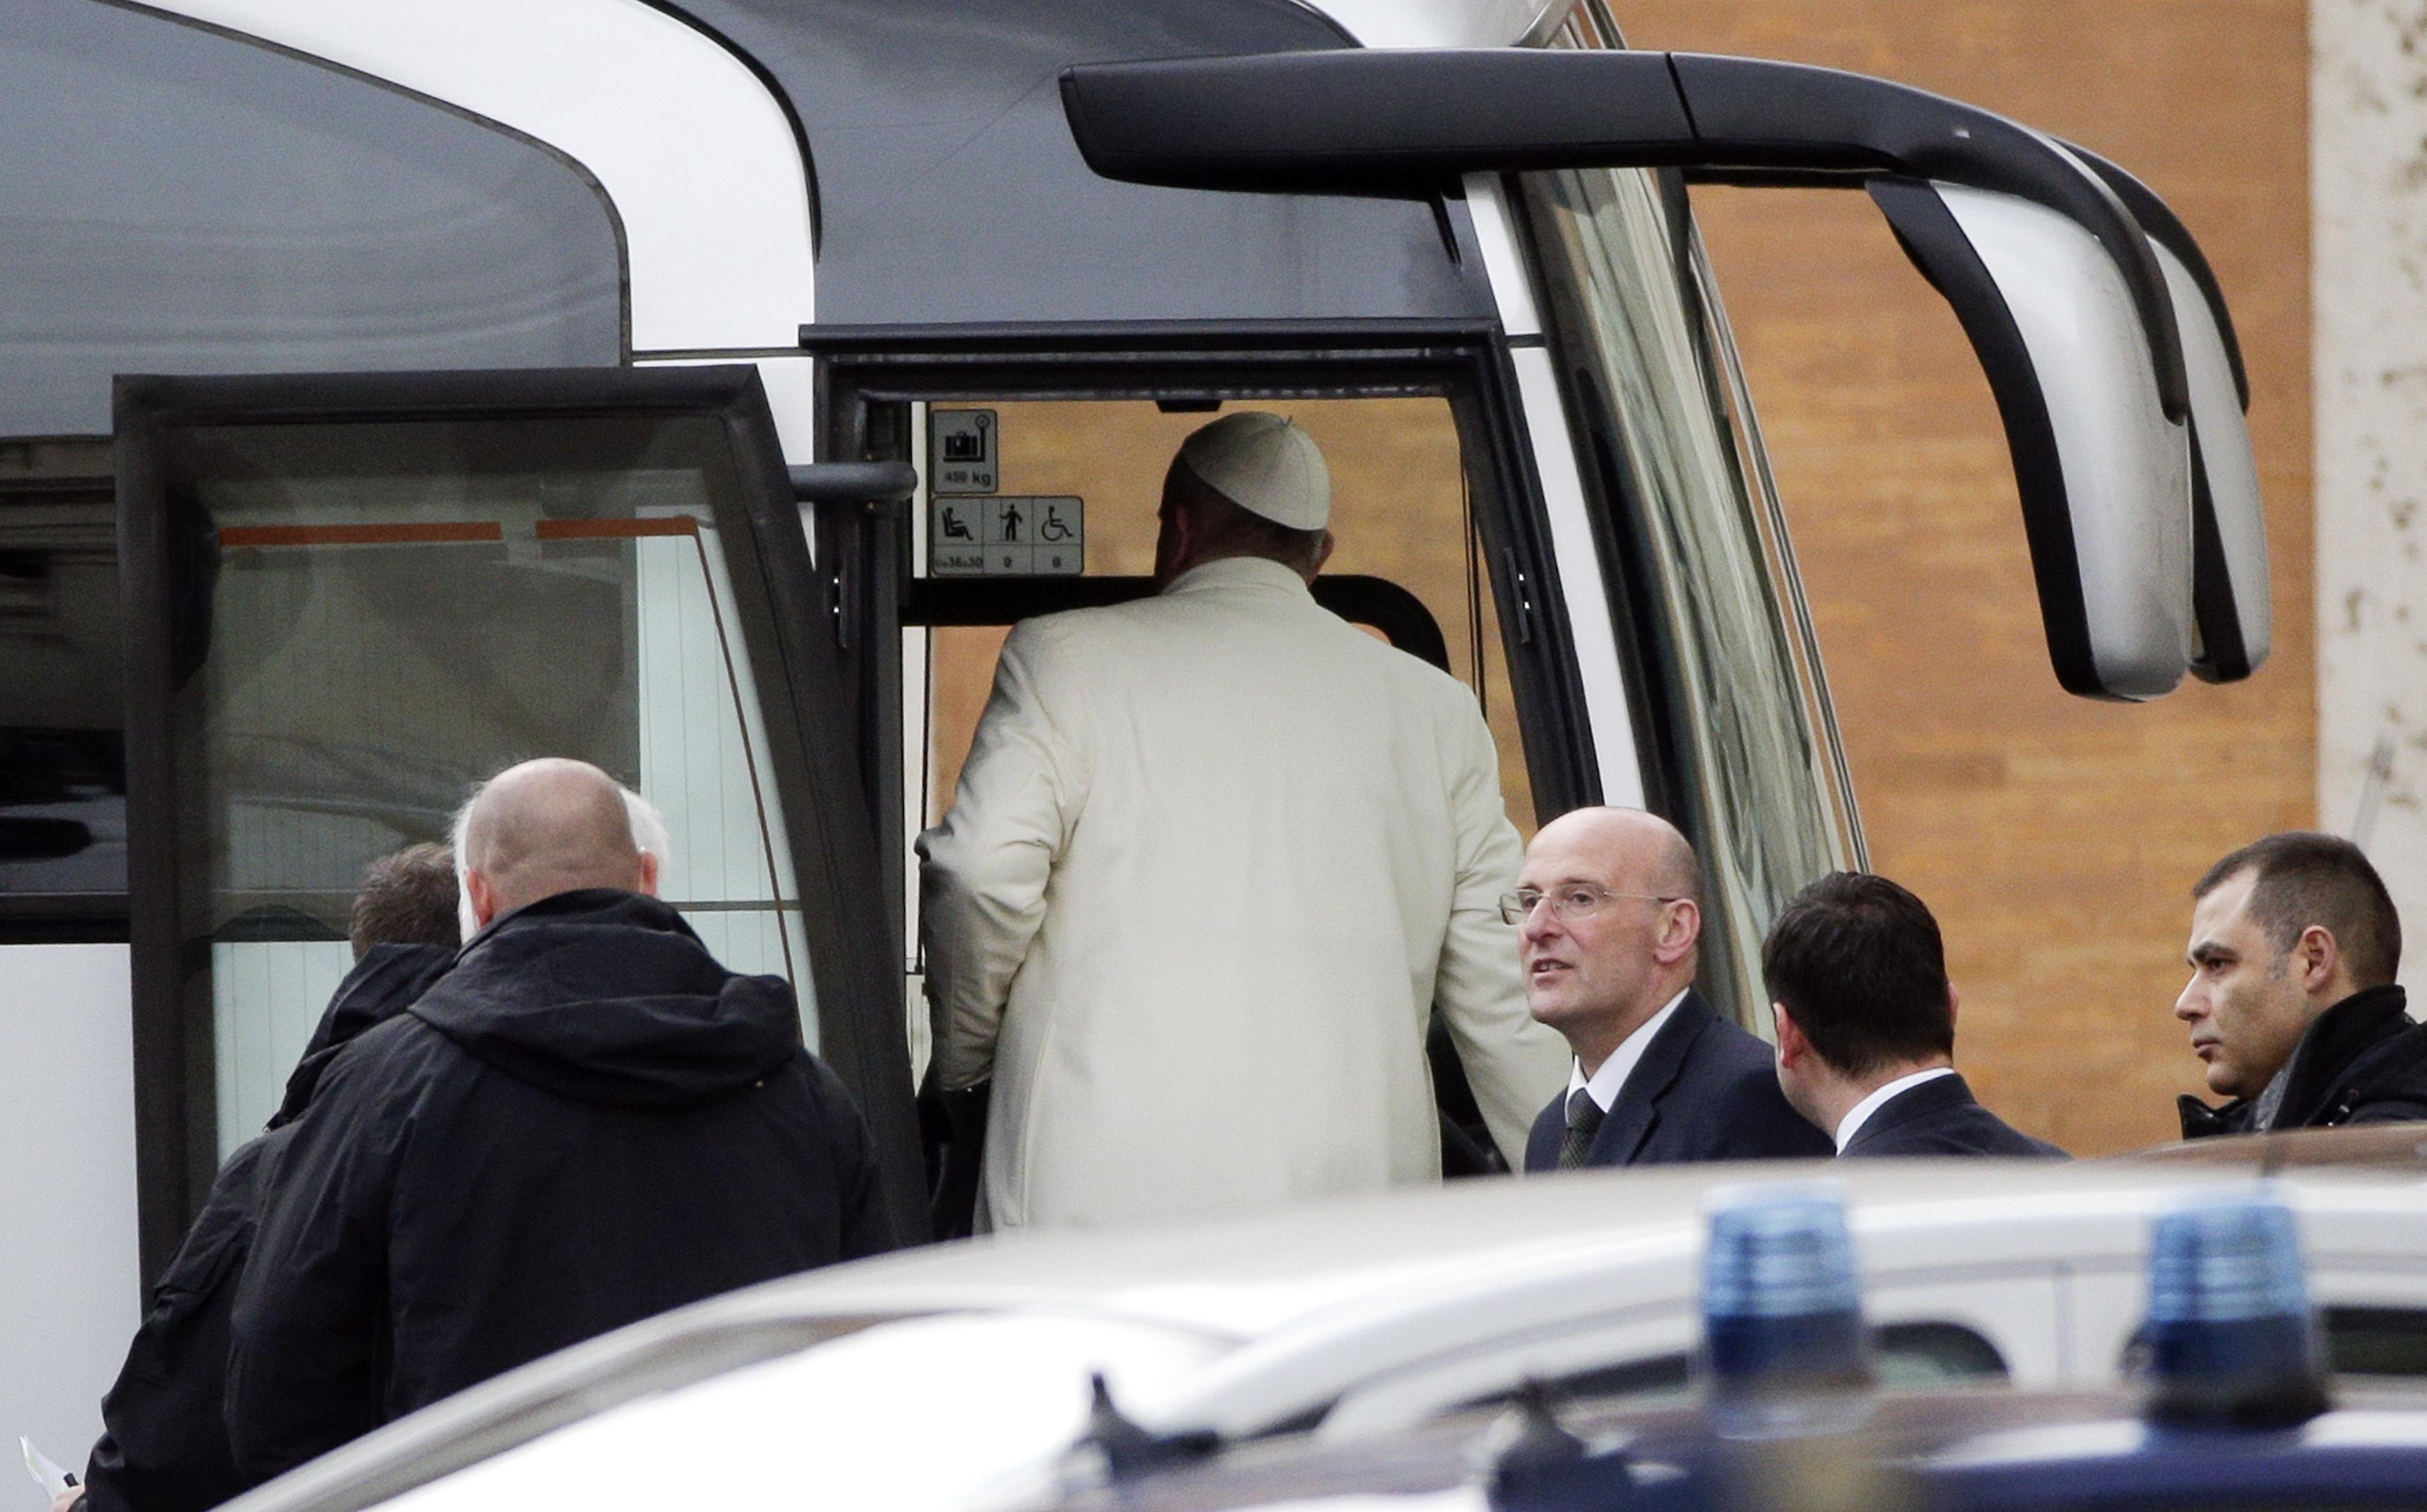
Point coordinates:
[(1214, 858)]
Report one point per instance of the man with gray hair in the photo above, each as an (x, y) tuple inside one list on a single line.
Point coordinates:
[(586, 1122), (1216, 858)]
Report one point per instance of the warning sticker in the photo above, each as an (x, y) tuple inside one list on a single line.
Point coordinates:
[(1010, 535), (961, 450)]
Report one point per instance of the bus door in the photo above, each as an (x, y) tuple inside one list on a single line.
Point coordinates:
[(1041, 459), (351, 597)]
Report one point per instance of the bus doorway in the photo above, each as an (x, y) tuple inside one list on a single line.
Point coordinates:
[(1039, 496)]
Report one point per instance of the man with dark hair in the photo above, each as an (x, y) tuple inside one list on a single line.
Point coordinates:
[(406, 898), (588, 1121), (1609, 918), (164, 1444), (2291, 1002), (1866, 1017), (1216, 858)]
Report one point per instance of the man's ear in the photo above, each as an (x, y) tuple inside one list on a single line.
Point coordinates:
[(1322, 555), (1792, 1044), (1954, 1005), (648, 874), (1680, 925), (2316, 954), (483, 894)]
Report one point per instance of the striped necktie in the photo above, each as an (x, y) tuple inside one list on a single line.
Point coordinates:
[(1583, 1122)]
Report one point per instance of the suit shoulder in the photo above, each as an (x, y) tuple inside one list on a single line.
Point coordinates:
[(1728, 1049), (1753, 1119)]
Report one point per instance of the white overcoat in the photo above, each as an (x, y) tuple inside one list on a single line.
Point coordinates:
[(1213, 858)]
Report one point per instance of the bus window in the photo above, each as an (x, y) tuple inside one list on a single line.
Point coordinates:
[(182, 200), (381, 614), (62, 750)]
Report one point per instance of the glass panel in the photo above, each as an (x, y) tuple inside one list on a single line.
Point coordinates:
[(1761, 783), (392, 612), (1905, 1357), (2377, 1341), (182, 200), (62, 754)]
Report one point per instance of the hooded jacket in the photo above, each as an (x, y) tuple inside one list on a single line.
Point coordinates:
[(164, 1445), (587, 1122), (2360, 1061)]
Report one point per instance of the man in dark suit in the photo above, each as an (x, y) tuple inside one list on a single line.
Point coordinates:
[(1857, 977), (1610, 920)]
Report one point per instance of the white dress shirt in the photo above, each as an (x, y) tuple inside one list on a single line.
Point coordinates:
[(1610, 1077), (1853, 1123)]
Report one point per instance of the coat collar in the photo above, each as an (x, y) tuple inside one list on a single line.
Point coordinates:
[(2337, 1038), (1235, 574), (1637, 1113)]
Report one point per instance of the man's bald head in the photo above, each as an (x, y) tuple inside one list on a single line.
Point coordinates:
[(544, 827), (1615, 930), (1655, 853)]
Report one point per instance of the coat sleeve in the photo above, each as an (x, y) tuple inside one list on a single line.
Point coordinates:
[(1514, 1065), (982, 872), (305, 1338), (163, 1446)]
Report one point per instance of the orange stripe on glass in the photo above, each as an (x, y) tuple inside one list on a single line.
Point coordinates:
[(362, 535)]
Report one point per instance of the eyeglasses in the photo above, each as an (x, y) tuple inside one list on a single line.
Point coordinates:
[(1577, 900)]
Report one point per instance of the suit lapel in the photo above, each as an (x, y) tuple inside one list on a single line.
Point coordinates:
[(1636, 1112)]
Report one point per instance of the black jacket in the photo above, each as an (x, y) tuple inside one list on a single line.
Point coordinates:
[(164, 1444), (1940, 1117), (1706, 1090), (2362, 1062), (587, 1122)]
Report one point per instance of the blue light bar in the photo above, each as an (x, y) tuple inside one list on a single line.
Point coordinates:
[(2230, 1336), (1783, 1336)]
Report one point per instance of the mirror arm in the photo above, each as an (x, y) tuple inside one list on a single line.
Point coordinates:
[(1407, 122)]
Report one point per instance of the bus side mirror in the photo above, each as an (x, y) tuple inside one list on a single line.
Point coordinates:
[(2229, 571), (2104, 364)]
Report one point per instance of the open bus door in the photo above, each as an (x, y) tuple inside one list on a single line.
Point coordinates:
[(349, 597), (1042, 453)]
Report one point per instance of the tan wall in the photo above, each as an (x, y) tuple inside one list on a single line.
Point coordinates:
[(2054, 837), (1399, 511)]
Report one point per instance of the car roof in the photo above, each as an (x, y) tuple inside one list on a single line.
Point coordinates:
[(1249, 1276)]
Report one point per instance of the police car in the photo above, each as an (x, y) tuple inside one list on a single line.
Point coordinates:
[(2231, 1406), (961, 1375)]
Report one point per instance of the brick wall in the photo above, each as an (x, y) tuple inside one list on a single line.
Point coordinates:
[(2054, 837)]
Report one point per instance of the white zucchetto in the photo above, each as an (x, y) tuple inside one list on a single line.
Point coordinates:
[(1266, 466)]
